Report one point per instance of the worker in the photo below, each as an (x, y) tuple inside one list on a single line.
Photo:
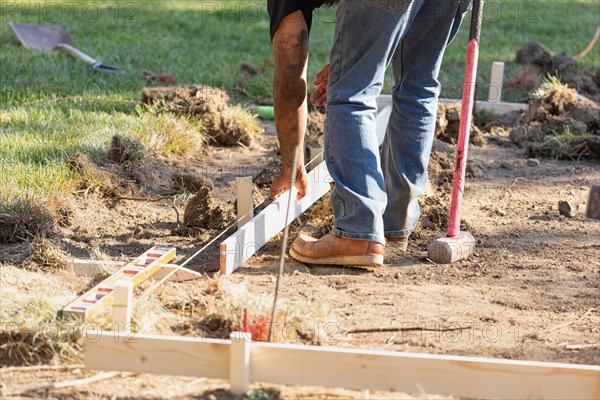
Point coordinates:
[(291, 21), (376, 190)]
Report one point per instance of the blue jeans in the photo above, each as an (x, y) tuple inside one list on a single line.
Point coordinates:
[(376, 190)]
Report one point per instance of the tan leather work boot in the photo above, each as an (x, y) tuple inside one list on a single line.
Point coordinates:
[(336, 250)]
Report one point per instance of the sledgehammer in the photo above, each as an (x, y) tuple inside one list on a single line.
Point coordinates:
[(457, 245)]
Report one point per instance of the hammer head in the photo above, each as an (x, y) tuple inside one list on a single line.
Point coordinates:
[(446, 250)]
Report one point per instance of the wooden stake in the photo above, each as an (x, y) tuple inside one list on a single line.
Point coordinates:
[(239, 362), (245, 200), (496, 81), (122, 306)]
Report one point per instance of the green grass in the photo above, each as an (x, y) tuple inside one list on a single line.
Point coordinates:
[(53, 106)]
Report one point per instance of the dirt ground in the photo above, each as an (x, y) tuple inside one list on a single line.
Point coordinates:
[(531, 291)]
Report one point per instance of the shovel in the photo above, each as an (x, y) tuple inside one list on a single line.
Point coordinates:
[(53, 37)]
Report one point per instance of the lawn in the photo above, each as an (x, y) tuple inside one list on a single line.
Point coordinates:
[(53, 106)]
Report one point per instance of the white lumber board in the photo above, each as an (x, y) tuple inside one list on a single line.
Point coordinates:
[(421, 373), (240, 246), (498, 108), (156, 354)]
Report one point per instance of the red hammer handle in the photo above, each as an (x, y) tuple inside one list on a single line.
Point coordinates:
[(466, 115)]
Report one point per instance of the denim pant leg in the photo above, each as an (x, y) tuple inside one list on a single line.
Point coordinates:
[(366, 36), (407, 145)]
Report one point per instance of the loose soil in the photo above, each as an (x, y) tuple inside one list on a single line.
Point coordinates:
[(207, 103), (531, 291), (448, 123), (540, 63), (559, 124)]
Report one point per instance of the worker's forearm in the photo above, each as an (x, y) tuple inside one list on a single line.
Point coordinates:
[(289, 95), (290, 120)]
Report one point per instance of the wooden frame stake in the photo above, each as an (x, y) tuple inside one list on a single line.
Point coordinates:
[(496, 81), (239, 362), (122, 306), (245, 200)]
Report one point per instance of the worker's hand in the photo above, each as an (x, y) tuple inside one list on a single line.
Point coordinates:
[(282, 183), (319, 96)]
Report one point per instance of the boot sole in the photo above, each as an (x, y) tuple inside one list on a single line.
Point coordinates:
[(366, 260)]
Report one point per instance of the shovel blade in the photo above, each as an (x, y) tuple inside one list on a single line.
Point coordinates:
[(107, 69), (42, 37)]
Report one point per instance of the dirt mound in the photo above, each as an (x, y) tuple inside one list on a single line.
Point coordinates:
[(135, 166), (127, 152), (206, 103), (441, 168), (192, 182), (24, 349), (23, 220), (435, 203), (448, 124), (48, 254), (557, 124), (267, 175), (315, 129), (201, 212), (91, 177), (584, 78), (533, 53)]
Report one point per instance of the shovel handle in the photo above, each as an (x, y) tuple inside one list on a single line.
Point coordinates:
[(75, 53)]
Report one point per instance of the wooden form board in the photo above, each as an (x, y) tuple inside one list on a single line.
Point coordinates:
[(156, 354), (100, 297), (339, 367), (499, 107), (93, 267), (240, 246)]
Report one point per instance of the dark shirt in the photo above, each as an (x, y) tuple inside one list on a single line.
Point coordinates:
[(279, 9)]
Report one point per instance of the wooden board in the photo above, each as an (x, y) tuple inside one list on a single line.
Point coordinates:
[(346, 368), (421, 373), (240, 246), (182, 274), (497, 108), (100, 297), (81, 267), (156, 354)]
